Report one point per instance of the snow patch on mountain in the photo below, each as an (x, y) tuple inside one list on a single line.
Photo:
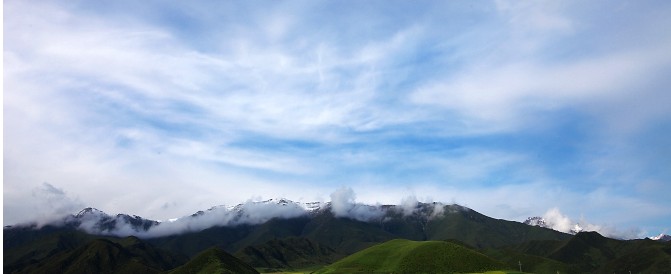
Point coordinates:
[(252, 212), (661, 237), (556, 220)]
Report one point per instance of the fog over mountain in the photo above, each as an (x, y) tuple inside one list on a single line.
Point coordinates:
[(343, 204)]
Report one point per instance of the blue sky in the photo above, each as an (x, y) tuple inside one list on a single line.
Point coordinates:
[(512, 108)]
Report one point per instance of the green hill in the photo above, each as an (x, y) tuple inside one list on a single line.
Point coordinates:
[(405, 256), (589, 252), (214, 261)]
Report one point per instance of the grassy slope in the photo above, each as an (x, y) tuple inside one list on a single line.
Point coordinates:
[(214, 261), (405, 256)]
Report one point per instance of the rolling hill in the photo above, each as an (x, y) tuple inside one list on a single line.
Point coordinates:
[(405, 256)]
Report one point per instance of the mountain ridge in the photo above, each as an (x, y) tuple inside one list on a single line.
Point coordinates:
[(290, 241)]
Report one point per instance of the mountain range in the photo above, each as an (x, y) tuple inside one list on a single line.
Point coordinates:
[(280, 234)]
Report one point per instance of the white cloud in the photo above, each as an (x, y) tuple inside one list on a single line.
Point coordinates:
[(498, 97), (49, 204), (408, 205), (556, 220), (343, 204)]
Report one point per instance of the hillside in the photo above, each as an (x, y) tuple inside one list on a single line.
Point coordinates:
[(589, 252), (346, 236), (405, 256), (214, 261), (128, 255), (288, 253)]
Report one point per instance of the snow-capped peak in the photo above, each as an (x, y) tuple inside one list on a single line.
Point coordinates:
[(307, 206), (536, 221), (661, 237), (541, 222), (312, 206)]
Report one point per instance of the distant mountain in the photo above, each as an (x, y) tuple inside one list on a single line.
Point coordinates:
[(405, 256), (319, 226), (280, 234), (99, 222), (662, 238)]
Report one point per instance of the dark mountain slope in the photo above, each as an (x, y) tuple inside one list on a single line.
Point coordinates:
[(287, 253), (214, 261), (347, 236), (26, 246), (589, 252), (481, 231), (105, 256)]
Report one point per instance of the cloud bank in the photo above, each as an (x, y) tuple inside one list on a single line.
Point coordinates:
[(343, 204), (556, 220), (252, 212)]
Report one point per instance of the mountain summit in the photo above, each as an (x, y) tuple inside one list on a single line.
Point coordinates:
[(662, 238)]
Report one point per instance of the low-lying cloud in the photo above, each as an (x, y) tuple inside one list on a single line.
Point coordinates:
[(556, 220), (343, 204), (52, 204), (250, 213)]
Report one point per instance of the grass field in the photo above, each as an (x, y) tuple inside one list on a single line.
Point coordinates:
[(405, 256)]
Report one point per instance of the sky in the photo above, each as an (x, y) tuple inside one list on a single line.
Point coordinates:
[(512, 108)]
